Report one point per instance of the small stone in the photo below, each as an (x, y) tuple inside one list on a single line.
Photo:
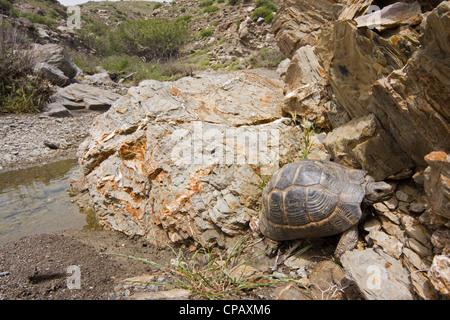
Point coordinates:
[(423, 286), (417, 207), (439, 274), (51, 145)]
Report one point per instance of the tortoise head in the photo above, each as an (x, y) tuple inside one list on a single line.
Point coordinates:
[(377, 191)]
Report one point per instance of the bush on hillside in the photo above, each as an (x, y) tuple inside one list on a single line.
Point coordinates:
[(151, 39), (21, 89)]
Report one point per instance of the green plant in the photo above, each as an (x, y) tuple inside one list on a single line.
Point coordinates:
[(158, 5), (233, 2), (21, 88), (206, 32), (267, 4), (307, 143), (267, 58), (211, 273), (5, 6), (152, 39), (211, 9), (261, 12), (206, 3), (37, 18), (269, 18)]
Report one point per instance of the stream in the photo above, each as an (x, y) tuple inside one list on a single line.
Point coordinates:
[(35, 200)]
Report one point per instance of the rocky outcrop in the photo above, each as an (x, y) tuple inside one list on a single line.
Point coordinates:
[(55, 64), (417, 95), (363, 143), (185, 160), (299, 22), (390, 79)]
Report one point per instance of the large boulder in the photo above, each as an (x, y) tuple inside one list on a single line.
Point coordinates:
[(55, 56), (363, 143), (186, 159), (85, 96)]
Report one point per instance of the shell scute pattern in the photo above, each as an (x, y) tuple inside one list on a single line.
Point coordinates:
[(311, 199)]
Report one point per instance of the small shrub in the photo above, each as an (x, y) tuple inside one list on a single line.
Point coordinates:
[(37, 18), (21, 89), (267, 58), (151, 39), (266, 4), (269, 18), (158, 5), (206, 32), (206, 3), (261, 12), (233, 2), (211, 9), (184, 18), (5, 6)]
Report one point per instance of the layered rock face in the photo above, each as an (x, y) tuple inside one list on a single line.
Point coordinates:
[(384, 91), (184, 159)]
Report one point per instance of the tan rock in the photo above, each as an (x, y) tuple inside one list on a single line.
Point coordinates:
[(185, 160), (417, 95), (393, 15), (299, 22), (439, 274), (363, 143)]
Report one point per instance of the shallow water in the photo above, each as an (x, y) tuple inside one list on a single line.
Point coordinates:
[(35, 200)]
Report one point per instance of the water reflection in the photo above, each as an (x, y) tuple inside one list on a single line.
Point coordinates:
[(35, 200)]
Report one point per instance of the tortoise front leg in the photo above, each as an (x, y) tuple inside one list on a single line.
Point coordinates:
[(348, 241)]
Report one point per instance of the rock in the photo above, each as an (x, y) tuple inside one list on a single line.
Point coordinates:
[(51, 145), (377, 275), (56, 56), (439, 274), (56, 110), (283, 67), (172, 294), (417, 95), (328, 282), (52, 74), (299, 22), (437, 184), (179, 159), (102, 78), (423, 286), (393, 15), (290, 291), (83, 96), (353, 59), (441, 240), (307, 88), (363, 143), (390, 245), (354, 9)]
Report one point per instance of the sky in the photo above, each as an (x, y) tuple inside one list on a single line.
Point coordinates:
[(75, 2)]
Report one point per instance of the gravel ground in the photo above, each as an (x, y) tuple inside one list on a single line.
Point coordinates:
[(22, 138)]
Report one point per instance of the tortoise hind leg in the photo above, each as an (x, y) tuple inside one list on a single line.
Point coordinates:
[(348, 241)]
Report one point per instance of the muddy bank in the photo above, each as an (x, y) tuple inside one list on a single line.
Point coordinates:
[(25, 138)]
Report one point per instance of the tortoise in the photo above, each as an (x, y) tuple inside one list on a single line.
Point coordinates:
[(313, 198)]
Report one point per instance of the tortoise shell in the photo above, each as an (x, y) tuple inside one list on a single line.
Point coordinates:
[(311, 198)]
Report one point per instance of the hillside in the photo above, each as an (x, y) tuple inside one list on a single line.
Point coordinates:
[(221, 36)]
